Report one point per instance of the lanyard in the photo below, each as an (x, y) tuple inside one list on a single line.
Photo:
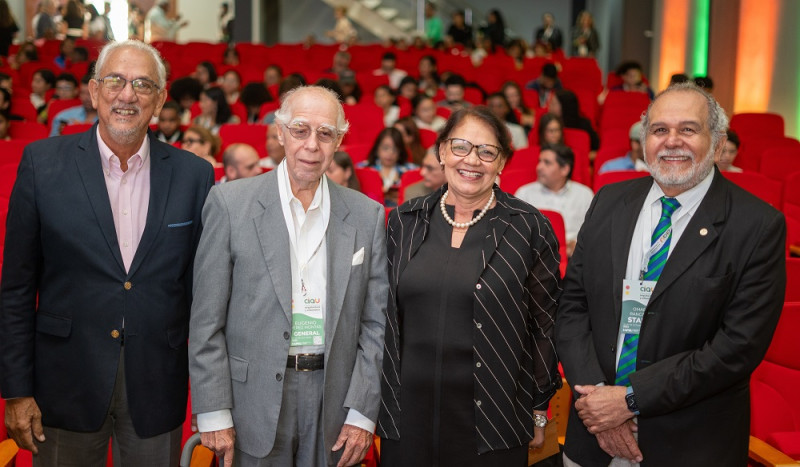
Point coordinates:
[(653, 249)]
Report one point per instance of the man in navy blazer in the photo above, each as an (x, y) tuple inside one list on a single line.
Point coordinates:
[(96, 290), (711, 310)]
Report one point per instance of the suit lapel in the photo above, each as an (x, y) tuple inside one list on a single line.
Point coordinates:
[(623, 223), (699, 234), (160, 175), (340, 241), (91, 172), (274, 239)]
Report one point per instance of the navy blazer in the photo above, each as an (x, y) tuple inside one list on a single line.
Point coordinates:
[(65, 290), (707, 326), (515, 303)]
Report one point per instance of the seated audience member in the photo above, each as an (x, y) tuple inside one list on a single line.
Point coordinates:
[(513, 94), (230, 57), (341, 63), (84, 113), (275, 150), (517, 49), (546, 84), (432, 177), (27, 53), (385, 99), (678, 78), (5, 104), (424, 111), (332, 85), (5, 123), (214, 110), (429, 80), (206, 73), (240, 160), (169, 123), (553, 190), (253, 96), (411, 138), (408, 89), (351, 91), (634, 159), (6, 82), (390, 158), (273, 76), (551, 129), (500, 107), (459, 31), (565, 105), (231, 85), (185, 91), (42, 81), (201, 142), (341, 171), (64, 57), (388, 68), (729, 152), (632, 78), (290, 82), (705, 83), (80, 55), (454, 87), (66, 86)]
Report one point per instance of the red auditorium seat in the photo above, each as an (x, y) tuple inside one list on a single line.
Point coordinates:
[(581, 73), (11, 151), (409, 177), (757, 125), (27, 130), (474, 95), (525, 158), (369, 82), (428, 137), (255, 135), (22, 106), (512, 179), (792, 280), (587, 104), (75, 128), (775, 407), (791, 196), (371, 183), (619, 117), (751, 151), (366, 121), (779, 163), (557, 221), (615, 176), (56, 106), (578, 141), (766, 189), (358, 152)]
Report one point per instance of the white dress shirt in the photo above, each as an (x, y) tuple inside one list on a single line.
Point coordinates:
[(572, 201)]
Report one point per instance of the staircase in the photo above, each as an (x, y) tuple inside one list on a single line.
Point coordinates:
[(383, 18)]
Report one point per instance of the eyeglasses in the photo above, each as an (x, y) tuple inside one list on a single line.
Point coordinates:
[(192, 141), (462, 148), (302, 131), (141, 86)]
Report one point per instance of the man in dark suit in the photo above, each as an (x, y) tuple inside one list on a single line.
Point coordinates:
[(101, 234), (698, 264)]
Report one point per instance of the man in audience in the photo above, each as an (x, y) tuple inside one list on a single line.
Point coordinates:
[(169, 123), (500, 107), (240, 160), (670, 301), (341, 64), (634, 159), (546, 84), (549, 33), (45, 26), (388, 68), (432, 177), (553, 190), (84, 113), (454, 90), (275, 151), (101, 234), (66, 87), (290, 287)]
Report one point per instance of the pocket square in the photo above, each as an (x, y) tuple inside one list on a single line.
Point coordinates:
[(180, 224), (358, 257)]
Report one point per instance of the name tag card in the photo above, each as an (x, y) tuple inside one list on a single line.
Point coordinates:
[(308, 324), (635, 296)]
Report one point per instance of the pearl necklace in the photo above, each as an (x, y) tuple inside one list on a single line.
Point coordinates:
[(464, 225)]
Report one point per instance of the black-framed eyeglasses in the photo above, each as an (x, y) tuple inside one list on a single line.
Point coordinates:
[(192, 141), (141, 86), (301, 131), (462, 148)]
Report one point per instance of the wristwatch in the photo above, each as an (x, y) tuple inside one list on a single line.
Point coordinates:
[(630, 398), (540, 421)]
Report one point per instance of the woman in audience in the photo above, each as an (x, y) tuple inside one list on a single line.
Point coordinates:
[(74, 20), (729, 153), (8, 28), (468, 369), (341, 171), (429, 80), (42, 81), (513, 94), (200, 142), (384, 98), (214, 110), (424, 111), (185, 91), (253, 96), (585, 40), (408, 88), (206, 73), (551, 129), (500, 107), (411, 138), (390, 158), (565, 105), (273, 75), (230, 57), (517, 50), (495, 29), (231, 85)]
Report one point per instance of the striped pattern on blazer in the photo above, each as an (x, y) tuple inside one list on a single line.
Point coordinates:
[(515, 305)]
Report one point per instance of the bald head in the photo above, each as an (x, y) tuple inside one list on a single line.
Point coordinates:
[(326, 97), (240, 161)]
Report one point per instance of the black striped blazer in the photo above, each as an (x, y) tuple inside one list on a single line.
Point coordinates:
[(515, 305)]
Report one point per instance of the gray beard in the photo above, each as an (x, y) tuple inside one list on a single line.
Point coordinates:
[(684, 181)]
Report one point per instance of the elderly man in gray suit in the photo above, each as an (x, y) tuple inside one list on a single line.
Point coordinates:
[(287, 326)]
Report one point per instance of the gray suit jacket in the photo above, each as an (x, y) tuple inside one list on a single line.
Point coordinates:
[(241, 315)]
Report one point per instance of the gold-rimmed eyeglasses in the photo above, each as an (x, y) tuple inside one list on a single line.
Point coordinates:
[(462, 148), (301, 131), (141, 86)]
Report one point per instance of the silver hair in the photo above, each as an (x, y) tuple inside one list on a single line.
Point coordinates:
[(284, 114), (161, 70), (717, 119)]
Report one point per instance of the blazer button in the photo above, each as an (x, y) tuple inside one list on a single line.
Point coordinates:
[(479, 325), (478, 403), (478, 286), (115, 334), (478, 364), (286, 335), (279, 376), (127, 285), (613, 348)]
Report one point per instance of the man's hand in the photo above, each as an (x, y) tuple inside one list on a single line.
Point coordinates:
[(619, 442), (221, 442), (23, 422), (602, 407), (356, 443)]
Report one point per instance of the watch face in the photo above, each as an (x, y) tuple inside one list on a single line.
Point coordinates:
[(540, 421)]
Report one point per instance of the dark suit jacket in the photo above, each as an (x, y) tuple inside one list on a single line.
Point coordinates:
[(707, 326), (556, 39), (61, 247), (517, 295)]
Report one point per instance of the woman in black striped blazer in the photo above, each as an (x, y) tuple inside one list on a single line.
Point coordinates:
[(469, 361)]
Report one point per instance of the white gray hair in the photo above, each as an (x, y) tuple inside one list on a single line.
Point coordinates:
[(161, 70), (284, 114), (717, 119)]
